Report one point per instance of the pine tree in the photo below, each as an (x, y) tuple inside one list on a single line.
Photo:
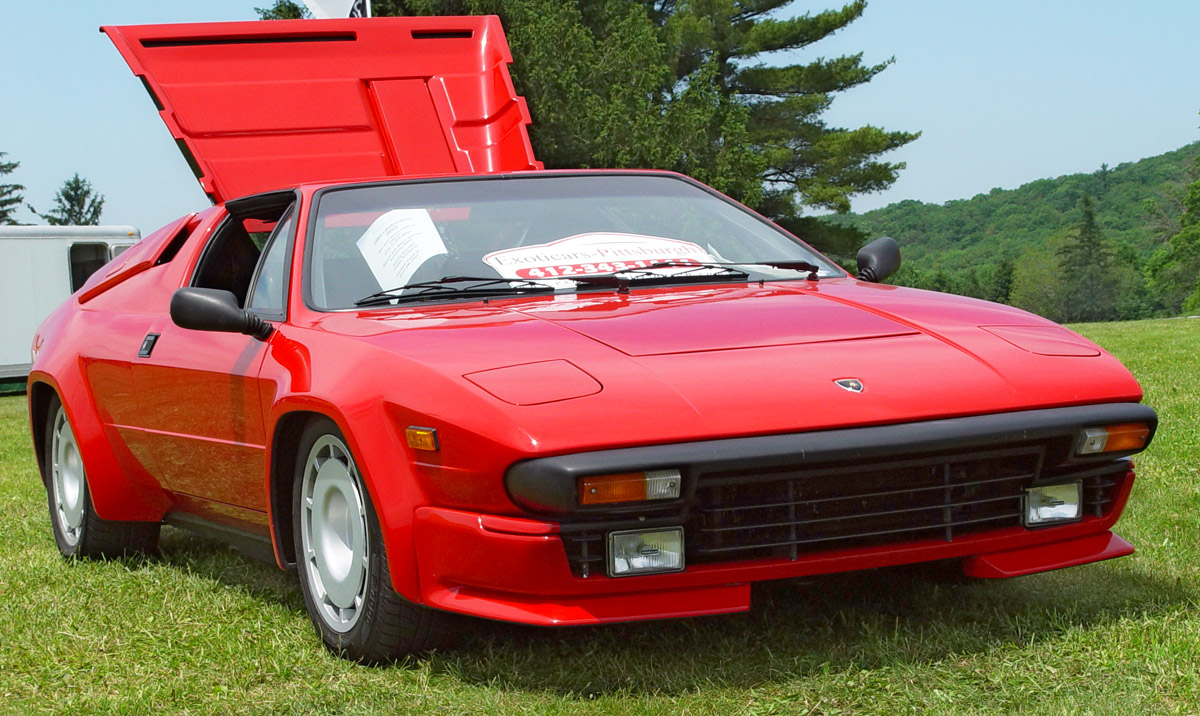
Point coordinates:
[(10, 194), (686, 85), (1089, 287), (76, 204), (808, 162)]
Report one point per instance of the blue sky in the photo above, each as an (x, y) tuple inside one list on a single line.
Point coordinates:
[(1004, 92)]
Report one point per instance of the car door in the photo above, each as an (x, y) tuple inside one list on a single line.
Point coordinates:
[(198, 392)]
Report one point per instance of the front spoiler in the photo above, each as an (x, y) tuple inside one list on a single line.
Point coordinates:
[(516, 570), (1045, 557)]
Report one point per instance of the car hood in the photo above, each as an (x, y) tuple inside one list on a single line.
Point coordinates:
[(256, 106), (688, 363)]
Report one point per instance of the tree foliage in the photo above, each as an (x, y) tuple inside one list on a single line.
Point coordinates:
[(76, 204), (689, 85), (1138, 206), (808, 162), (1036, 282), (1174, 269), (283, 10), (10, 194)]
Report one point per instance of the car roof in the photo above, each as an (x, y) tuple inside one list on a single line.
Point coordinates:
[(257, 106), (310, 187)]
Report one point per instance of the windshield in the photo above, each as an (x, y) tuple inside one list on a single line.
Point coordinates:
[(546, 228)]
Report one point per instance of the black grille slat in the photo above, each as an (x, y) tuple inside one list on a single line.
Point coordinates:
[(727, 477), (932, 527), (940, 506), (748, 516), (869, 495)]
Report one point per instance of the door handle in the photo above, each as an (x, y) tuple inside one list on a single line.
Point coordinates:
[(147, 345)]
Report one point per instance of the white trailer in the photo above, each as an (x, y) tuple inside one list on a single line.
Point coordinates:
[(40, 266)]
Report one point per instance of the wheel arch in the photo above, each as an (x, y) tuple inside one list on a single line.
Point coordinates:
[(391, 497), (285, 441), (40, 393), (120, 488)]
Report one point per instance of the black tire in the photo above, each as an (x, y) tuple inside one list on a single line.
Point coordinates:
[(78, 531), (376, 625)]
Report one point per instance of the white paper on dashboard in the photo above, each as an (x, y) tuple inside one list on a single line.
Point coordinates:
[(397, 243), (598, 252)]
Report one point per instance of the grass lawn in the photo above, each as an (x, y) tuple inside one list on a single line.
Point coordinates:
[(202, 630)]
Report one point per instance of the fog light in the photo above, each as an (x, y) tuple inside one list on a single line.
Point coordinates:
[(1113, 438), (1053, 503), (629, 487), (645, 552)]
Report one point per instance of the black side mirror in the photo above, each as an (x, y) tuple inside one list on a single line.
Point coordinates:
[(211, 309), (878, 259)]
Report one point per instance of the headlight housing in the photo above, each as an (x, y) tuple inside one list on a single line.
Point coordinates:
[(1053, 504), (632, 552)]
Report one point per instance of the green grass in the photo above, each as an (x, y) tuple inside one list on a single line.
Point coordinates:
[(202, 630)]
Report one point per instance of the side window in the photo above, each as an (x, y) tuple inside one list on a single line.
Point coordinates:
[(232, 254), (270, 284)]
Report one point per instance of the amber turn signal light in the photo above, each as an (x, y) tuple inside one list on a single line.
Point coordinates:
[(1114, 438), (421, 438), (629, 487)]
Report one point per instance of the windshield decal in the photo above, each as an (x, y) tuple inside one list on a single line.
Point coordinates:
[(594, 253), (397, 243)]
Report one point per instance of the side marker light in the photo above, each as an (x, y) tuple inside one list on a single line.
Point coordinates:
[(422, 438)]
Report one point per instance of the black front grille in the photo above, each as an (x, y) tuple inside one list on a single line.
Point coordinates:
[(788, 512), (586, 552), (742, 516)]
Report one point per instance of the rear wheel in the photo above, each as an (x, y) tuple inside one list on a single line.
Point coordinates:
[(340, 556), (78, 531)]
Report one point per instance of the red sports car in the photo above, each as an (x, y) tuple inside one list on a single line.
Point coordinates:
[(436, 378)]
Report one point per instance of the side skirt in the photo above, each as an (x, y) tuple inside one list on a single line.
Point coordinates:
[(254, 545)]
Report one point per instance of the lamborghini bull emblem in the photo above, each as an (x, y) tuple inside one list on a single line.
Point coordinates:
[(854, 385)]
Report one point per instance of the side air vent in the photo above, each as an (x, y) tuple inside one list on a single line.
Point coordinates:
[(442, 34), (150, 43)]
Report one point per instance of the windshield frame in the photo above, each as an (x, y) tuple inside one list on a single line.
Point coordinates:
[(314, 204)]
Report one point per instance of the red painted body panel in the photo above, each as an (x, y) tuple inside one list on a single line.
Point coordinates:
[(1019, 562), (196, 427), (134, 260), (200, 412), (976, 372), (263, 106)]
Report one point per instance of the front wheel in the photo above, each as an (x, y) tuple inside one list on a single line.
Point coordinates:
[(78, 531), (340, 557)]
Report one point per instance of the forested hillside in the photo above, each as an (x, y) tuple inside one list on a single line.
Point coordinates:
[(1013, 245)]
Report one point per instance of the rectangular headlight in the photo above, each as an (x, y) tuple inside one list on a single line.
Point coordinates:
[(629, 487), (1053, 503), (645, 551)]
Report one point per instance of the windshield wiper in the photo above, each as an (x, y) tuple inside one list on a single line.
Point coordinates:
[(481, 287), (490, 286), (646, 275), (812, 269)]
